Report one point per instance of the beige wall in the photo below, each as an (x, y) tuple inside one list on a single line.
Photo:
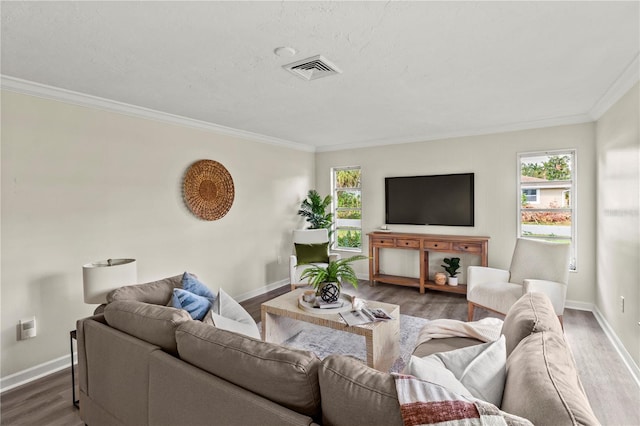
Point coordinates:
[(618, 254), (493, 159), (82, 184)]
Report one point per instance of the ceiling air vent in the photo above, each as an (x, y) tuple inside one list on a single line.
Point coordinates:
[(312, 68)]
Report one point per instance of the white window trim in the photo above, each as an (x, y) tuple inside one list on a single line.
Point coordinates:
[(573, 196)]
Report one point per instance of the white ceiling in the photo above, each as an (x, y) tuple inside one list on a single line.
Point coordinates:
[(411, 71)]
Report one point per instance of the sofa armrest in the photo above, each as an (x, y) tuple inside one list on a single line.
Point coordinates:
[(557, 292), (484, 274)]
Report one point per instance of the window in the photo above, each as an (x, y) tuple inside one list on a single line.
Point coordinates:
[(530, 195), (347, 208), (547, 188)]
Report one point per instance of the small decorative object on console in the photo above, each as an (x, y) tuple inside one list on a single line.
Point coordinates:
[(440, 278), (452, 266)]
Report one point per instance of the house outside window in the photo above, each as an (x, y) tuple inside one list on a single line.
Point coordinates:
[(347, 208), (530, 195), (547, 207)]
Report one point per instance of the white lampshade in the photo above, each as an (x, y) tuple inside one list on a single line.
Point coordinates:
[(99, 278)]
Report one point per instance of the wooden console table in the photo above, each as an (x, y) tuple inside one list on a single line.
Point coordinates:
[(424, 243)]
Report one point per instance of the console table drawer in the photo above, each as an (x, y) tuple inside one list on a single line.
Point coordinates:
[(469, 248), (400, 242), (383, 242), (437, 245)]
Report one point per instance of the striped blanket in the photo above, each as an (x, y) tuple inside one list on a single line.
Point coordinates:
[(425, 403)]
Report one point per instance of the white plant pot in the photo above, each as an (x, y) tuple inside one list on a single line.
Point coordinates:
[(453, 281)]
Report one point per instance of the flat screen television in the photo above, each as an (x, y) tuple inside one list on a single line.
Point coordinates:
[(430, 200)]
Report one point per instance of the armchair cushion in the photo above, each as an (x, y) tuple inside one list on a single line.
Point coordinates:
[(498, 296), (539, 260), (483, 274), (312, 253)]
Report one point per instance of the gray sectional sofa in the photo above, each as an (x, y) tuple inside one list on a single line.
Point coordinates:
[(143, 363)]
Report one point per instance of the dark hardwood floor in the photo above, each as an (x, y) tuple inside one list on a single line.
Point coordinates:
[(614, 395)]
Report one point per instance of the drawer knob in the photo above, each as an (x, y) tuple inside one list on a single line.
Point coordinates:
[(466, 247), (435, 245)]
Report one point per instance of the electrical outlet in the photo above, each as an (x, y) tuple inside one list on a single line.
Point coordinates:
[(622, 304), (279, 259), (27, 328)]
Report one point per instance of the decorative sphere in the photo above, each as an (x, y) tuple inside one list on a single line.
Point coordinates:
[(440, 278), (329, 292)]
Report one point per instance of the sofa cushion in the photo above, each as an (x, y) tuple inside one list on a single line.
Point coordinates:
[(532, 313), (193, 285), (312, 253), (432, 370), (197, 306), (155, 292), (286, 376), (152, 323), (479, 370), (229, 315), (354, 394), (543, 385)]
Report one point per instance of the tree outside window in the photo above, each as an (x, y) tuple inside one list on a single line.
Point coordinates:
[(347, 208)]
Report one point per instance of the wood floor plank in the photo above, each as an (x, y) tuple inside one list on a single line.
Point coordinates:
[(614, 395)]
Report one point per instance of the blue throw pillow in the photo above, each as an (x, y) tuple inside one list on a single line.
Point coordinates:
[(196, 305), (193, 285)]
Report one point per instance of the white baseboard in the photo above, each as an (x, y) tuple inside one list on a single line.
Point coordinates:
[(617, 344), (259, 291), (30, 374), (580, 306)]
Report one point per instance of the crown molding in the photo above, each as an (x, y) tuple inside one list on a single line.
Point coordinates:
[(31, 88), (624, 82), (526, 125)]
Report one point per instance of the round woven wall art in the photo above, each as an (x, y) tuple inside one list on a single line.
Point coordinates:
[(208, 189)]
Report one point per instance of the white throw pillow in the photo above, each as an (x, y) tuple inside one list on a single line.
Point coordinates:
[(433, 370), (229, 315), (481, 369)]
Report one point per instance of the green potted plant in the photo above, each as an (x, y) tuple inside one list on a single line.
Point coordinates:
[(314, 210), (452, 266), (327, 280)]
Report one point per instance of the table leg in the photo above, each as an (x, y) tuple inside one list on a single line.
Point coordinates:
[(383, 345), (277, 329), (76, 402)]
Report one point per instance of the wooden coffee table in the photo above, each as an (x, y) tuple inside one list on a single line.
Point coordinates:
[(282, 319)]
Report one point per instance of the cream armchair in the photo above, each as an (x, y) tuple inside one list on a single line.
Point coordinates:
[(536, 266), (311, 246)]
